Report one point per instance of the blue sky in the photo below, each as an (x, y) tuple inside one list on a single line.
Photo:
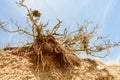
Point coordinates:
[(71, 12)]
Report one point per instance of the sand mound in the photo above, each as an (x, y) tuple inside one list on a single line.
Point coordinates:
[(46, 59), (14, 67)]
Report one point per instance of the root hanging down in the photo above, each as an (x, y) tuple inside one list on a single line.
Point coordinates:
[(46, 53)]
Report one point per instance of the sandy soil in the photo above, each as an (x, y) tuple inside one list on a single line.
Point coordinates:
[(13, 67)]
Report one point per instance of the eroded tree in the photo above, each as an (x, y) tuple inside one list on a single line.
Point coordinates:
[(60, 47)]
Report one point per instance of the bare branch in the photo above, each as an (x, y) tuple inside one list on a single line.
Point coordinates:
[(56, 27), (76, 41), (19, 29)]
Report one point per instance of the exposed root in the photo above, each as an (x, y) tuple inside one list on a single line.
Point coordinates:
[(46, 54), (49, 60)]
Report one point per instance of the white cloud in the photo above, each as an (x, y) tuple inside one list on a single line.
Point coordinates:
[(109, 6)]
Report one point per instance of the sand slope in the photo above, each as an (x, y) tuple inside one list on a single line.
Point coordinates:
[(13, 67)]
